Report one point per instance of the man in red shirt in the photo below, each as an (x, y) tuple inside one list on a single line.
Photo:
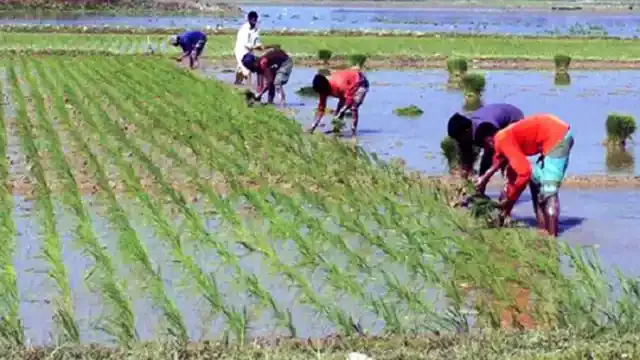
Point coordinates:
[(349, 86), (274, 69), (540, 134)]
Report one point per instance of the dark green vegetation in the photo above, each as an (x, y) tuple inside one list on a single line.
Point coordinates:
[(409, 111), (456, 67), (306, 91), (620, 128), (562, 62), (357, 60), (324, 55), (473, 86), (450, 152)]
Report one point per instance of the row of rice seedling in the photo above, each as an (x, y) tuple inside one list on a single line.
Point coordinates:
[(51, 247), (118, 319), (11, 329), (130, 247)]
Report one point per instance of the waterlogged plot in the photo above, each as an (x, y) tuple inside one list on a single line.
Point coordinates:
[(164, 208)]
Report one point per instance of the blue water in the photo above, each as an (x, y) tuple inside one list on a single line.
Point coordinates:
[(479, 21)]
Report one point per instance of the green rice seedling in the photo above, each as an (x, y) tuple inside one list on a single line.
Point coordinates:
[(357, 60), (130, 245), (562, 63), (409, 111), (11, 328), (451, 153), (617, 160), (562, 79), (620, 128), (51, 247), (325, 55), (456, 67), (306, 91), (473, 86), (337, 125), (324, 71), (119, 318)]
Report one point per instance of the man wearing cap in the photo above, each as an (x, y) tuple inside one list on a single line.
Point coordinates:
[(274, 69), (247, 40), (462, 128), (192, 44)]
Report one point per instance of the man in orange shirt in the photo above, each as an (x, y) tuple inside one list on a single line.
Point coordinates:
[(540, 134), (349, 86)]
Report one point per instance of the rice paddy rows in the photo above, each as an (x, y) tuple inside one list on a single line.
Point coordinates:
[(257, 226), (308, 45)]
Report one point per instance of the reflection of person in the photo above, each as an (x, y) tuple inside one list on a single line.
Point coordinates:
[(192, 44), (274, 69), (247, 40), (349, 86), (462, 128), (542, 134)]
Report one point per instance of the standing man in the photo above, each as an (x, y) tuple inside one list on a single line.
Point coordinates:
[(192, 44), (247, 40), (463, 129), (349, 86), (540, 134), (274, 69)]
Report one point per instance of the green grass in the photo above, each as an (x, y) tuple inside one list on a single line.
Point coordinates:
[(308, 46), (143, 133)]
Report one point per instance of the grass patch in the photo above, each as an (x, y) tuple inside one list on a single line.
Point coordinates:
[(409, 111), (343, 46)]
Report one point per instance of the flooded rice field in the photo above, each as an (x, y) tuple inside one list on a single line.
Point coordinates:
[(584, 104), (479, 21)]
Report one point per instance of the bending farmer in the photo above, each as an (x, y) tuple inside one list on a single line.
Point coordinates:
[(542, 134), (463, 129), (273, 69), (192, 44), (349, 86)]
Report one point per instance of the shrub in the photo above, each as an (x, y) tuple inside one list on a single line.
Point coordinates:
[(451, 152), (409, 111), (325, 55), (457, 66), (562, 62), (357, 60), (619, 128)]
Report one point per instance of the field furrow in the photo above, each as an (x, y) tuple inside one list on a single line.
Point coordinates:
[(118, 318), (90, 109), (11, 328), (64, 318)]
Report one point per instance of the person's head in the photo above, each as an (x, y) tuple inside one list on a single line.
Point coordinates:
[(485, 133), (249, 61), (460, 128), (174, 40), (252, 18), (321, 85)]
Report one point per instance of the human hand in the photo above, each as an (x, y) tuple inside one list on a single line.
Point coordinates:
[(481, 184)]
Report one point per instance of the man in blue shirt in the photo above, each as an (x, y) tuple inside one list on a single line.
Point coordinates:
[(462, 128), (192, 44)]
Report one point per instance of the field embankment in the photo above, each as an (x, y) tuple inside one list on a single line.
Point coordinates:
[(392, 52), (122, 6)]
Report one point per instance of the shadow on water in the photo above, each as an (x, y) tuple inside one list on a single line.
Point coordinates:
[(566, 222)]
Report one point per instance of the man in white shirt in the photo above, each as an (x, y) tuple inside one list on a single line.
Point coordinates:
[(248, 39)]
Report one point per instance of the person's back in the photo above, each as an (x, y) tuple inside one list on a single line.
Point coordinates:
[(342, 81), (534, 134), (273, 58), (189, 39), (499, 115)]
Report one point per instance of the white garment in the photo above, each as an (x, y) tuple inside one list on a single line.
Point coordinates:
[(247, 37)]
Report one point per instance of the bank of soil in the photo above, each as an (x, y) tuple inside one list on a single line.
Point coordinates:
[(204, 6), (439, 62)]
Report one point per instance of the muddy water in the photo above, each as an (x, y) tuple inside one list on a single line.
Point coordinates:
[(584, 104), (481, 21)]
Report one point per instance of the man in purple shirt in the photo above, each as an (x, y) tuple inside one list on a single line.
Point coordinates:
[(462, 128), (192, 44)]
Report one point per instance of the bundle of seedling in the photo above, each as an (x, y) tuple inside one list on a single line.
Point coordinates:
[(357, 60), (473, 86), (620, 129), (411, 111), (562, 63), (456, 67)]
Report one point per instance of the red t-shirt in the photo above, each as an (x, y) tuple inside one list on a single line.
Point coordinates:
[(344, 84)]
